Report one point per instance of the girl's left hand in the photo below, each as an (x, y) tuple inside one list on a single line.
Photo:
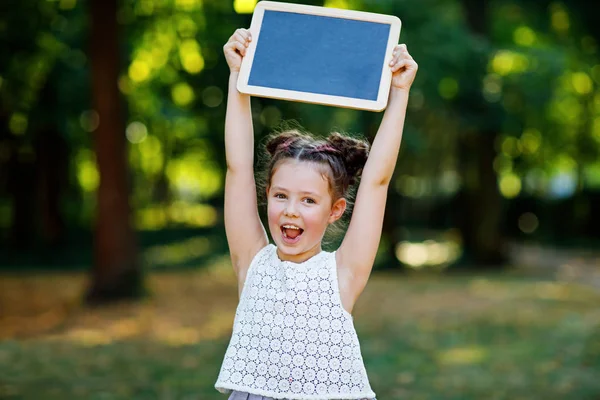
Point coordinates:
[(404, 68)]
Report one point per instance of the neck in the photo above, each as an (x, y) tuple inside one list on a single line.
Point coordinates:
[(299, 258)]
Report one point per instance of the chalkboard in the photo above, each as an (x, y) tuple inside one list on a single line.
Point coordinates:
[(320, 55)]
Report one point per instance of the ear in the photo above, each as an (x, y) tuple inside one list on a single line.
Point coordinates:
[(337, 210)]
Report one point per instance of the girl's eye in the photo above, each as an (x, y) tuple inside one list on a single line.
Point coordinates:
[(279, 196), (310, 201)]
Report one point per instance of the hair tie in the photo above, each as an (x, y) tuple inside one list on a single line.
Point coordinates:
[(285, 145), (325, 147)]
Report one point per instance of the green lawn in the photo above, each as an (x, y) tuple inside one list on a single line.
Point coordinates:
[(453, 337)]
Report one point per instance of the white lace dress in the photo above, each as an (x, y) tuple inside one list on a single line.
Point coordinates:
[(292, 339)]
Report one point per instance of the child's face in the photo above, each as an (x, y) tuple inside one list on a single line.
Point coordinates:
[(300, 209)]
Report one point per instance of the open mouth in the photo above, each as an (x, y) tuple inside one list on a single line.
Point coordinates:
[(291, 233)]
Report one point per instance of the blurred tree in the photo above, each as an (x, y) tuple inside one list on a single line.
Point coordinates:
[(479, 199), (116, 272)]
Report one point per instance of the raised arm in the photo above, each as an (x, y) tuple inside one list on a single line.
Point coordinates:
[(245, 232), (357, 252)]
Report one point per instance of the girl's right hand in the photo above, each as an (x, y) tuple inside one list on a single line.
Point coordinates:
[(235, 48)]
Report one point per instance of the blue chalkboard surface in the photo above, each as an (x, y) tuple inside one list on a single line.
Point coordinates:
[(317, 54), (315, 57)]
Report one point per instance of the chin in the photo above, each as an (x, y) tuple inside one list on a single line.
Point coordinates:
[(288, 249)]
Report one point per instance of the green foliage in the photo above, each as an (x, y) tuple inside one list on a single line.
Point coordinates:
[(533, 81)]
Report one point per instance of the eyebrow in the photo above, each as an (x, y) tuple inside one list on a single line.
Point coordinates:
[(279, 188)]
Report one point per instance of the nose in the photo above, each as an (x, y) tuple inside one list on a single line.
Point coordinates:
[(290, 210)]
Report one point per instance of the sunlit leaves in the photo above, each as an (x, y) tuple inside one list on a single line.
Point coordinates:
[(596, 129), (492, 88), (503, 163), (196, 215), (507, 62), (524, 36), (531, 140), (139, 71), (431, 253), (188, 5), (565, 110), (136, 132), (596, 73), (342, 4), (193, 177), (18, 123), (509, 185), (191, 58), (592, 175), (147, 155), (144, 7), (581, 83), (178, 213), (244, 6), (87, 172), (182, 94), (559, 18), (187, 27), (448, 88), (511, 146), (67, 4), (564, 163)]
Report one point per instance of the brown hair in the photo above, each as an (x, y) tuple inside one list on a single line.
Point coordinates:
[(344, 156)]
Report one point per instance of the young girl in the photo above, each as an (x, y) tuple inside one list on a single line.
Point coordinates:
[(293, 334)]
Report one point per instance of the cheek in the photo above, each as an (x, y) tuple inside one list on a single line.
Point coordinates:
[(273, 211), (316, 218)]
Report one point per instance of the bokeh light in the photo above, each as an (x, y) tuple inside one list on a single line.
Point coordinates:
[(448, 88), (524, 36), (429, 253), (136, 132), (182, 94), (528, 222), (89, 120), (244, 6), (510, 185), (212, 96)]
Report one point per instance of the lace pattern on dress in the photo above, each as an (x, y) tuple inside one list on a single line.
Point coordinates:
[(292, 339)]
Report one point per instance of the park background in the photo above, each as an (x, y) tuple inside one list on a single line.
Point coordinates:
[(115, 281)]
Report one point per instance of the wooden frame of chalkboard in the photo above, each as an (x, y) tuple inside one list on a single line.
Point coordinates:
[(320, 55)]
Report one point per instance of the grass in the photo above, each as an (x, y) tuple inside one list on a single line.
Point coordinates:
[(452, 337)]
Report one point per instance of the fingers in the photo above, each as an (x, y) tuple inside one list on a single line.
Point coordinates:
[(243, 34), (401, 58), (240, 47), (239, 41), (396, 65)]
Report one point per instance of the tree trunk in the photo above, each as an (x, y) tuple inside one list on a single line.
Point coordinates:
[(52, 178), (21, 175), (116, 272), (480, 200)]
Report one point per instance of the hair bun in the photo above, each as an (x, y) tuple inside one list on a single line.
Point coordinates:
[(282, 141), (354, 153)]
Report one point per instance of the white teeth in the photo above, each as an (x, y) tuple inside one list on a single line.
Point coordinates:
[(291, 227)]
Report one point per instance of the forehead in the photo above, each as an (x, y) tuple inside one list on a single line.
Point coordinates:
[(300, 176)]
